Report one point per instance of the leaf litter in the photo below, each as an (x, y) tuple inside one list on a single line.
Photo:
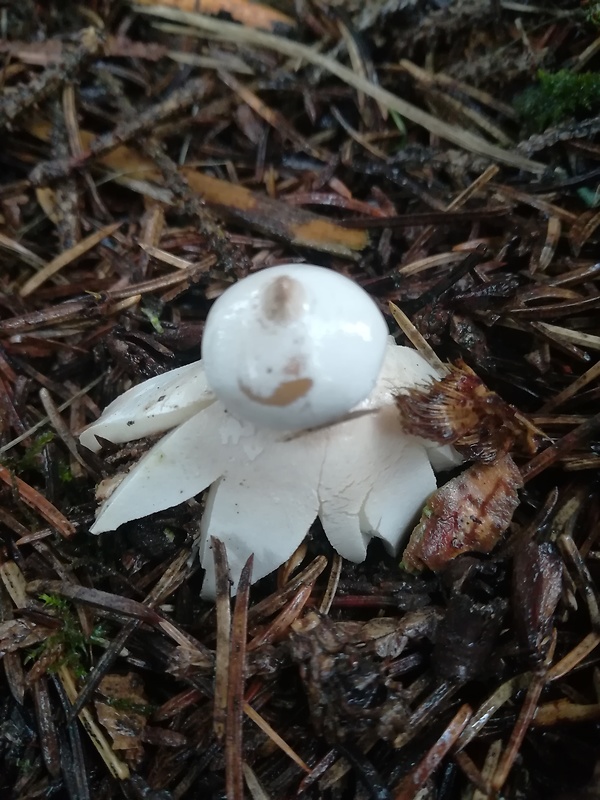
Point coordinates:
[(443, 155)]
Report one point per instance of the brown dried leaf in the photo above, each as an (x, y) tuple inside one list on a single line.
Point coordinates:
[(537, 588), (124, 714), (347, 687), (467, 514), (18, 633), (38, 503)]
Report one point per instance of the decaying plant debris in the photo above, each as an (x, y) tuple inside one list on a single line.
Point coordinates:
[(150, 157)]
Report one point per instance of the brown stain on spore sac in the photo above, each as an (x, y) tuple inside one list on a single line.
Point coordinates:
[(283, 300), (284, 395), (467, 514)]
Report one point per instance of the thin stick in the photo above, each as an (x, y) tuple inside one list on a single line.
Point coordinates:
[(274, 736), (590, 375), (420, 344), (332, 584), (44, 421), (38, 503), (419, 775), (574, 657), (237, 33), (67, 257), (223, 613), (234, 778), (521, 726), (563, 446), (116, 767)]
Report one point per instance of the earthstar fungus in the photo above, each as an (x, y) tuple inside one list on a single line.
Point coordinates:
[(289, 415)]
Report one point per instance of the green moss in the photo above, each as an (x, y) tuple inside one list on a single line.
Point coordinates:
[(557, 96), (123, 704), (64, 472), (153, 318), (592, 13), (29, 458), (69, 639), (589, 196)]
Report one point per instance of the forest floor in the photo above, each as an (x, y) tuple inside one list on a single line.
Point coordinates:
[(445, 155)]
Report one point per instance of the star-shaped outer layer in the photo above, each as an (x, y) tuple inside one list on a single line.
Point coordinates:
[(363, 477)]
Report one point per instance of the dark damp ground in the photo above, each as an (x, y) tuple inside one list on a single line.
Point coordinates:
[(445, 155)]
